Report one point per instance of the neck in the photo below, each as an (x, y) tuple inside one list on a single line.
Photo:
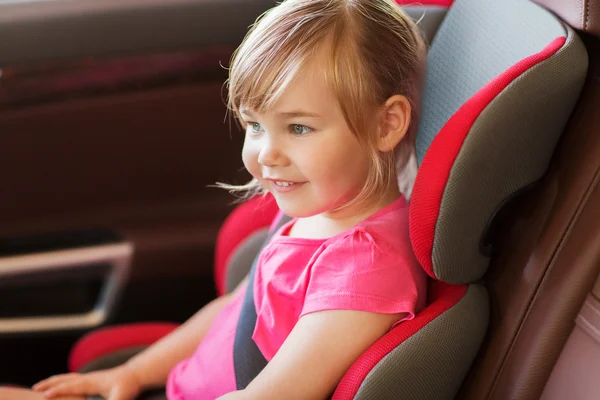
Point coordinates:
[(349, 216)]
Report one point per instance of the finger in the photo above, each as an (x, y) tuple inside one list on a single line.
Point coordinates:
[(49, 381), (75, 387), (53, 380)]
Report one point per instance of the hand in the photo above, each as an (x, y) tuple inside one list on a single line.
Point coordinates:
[(118, 383)]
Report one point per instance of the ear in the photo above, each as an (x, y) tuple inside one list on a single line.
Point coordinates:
[(394, 122)]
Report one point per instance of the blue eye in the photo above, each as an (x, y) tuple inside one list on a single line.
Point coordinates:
[(254, 127), (300, 129)]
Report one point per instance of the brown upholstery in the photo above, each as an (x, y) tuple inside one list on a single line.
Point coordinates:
[(575, 375), (549, 258), (583, 15)]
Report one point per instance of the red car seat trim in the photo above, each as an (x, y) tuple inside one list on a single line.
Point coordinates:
[(246, 219), (107, 340)]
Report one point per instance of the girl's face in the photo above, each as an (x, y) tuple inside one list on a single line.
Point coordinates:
[(302, 150)]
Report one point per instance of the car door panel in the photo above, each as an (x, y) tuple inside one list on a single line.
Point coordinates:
[(33, 31), (114, 129)]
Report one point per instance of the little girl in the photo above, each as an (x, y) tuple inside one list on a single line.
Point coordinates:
[(326, 91)]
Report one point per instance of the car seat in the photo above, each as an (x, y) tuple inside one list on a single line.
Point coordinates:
[(502, 80)]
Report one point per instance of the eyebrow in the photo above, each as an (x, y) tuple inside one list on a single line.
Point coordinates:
[(286, 114), (296, 114)]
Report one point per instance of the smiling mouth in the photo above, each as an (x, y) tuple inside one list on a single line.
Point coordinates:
[(284, 184)]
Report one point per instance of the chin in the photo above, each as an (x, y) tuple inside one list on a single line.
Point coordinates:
[(296, 212), (296, 209), (300, 209)]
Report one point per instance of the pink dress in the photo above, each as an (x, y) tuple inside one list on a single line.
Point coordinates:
[(370, 267)]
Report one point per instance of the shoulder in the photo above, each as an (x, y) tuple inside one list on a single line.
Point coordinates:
[(377, 250), (383, 235), (364, 250), (364, 271), (370, 267)]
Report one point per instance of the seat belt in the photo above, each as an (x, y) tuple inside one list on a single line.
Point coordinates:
[(247, 358)]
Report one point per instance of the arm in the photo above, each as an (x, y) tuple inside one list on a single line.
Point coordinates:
[(316, 355), (152, 366), (9, 393), (148, 369)]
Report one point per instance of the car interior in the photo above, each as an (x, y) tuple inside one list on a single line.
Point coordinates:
[(113, 132)]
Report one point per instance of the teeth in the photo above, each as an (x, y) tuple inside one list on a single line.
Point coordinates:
[(284, 184)]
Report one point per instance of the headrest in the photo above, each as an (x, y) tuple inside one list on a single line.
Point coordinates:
[(428, 18), (581, 15), (502, 80)]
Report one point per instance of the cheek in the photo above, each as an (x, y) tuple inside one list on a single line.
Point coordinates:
[(342, 163), (338, 173), (250, 158)]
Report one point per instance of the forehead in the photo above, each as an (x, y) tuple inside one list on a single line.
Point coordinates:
[(309, 91)]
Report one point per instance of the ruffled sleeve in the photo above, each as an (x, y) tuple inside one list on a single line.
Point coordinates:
[(365, 272)]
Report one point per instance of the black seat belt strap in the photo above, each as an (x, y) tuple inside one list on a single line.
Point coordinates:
[(247, 358)]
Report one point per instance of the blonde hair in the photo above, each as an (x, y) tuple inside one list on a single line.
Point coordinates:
[(376, 52)]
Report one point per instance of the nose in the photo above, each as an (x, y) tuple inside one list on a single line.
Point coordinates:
[(270, 153)]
